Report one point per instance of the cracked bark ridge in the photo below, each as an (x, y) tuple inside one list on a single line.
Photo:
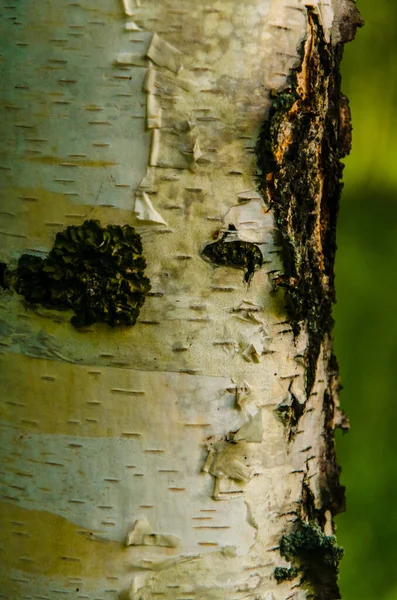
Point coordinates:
[(299, 150), (332, 492), (346, 21)]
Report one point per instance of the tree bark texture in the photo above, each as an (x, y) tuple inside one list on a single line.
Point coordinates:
[(187, 453)]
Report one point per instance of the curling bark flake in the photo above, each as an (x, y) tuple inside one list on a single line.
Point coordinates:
[(190, 455)]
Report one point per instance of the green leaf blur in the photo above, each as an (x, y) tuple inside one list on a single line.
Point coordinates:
[(366, 326)]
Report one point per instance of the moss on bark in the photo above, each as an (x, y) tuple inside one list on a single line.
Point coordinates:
[(96, 271)]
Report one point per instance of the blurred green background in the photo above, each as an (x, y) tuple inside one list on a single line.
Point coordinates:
[(366, 321)]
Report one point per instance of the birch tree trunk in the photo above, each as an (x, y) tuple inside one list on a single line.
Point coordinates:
[(190, 455)]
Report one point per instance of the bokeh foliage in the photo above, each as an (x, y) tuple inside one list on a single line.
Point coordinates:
[(366, 322)]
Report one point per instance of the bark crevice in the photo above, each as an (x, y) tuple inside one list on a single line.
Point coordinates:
[(299, 154)]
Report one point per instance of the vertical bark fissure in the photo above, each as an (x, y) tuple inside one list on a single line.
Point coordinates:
[(299, 152)]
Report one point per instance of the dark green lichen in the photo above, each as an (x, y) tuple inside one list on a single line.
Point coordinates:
[(235, 253), (284, 574), (299, 171), (315, 556), (96, 271)]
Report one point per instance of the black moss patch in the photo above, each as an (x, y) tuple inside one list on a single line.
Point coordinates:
[(315, 556), (236, 253), (96, 271), (299, 170)]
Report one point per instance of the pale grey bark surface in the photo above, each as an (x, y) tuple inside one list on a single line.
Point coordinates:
[(150, 461)]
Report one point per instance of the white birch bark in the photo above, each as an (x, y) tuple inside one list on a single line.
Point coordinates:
[(148, 462)]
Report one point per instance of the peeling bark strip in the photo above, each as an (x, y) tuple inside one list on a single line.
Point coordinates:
[(299, 152)]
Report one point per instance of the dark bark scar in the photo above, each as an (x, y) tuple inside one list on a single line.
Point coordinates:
[(299, 170)]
